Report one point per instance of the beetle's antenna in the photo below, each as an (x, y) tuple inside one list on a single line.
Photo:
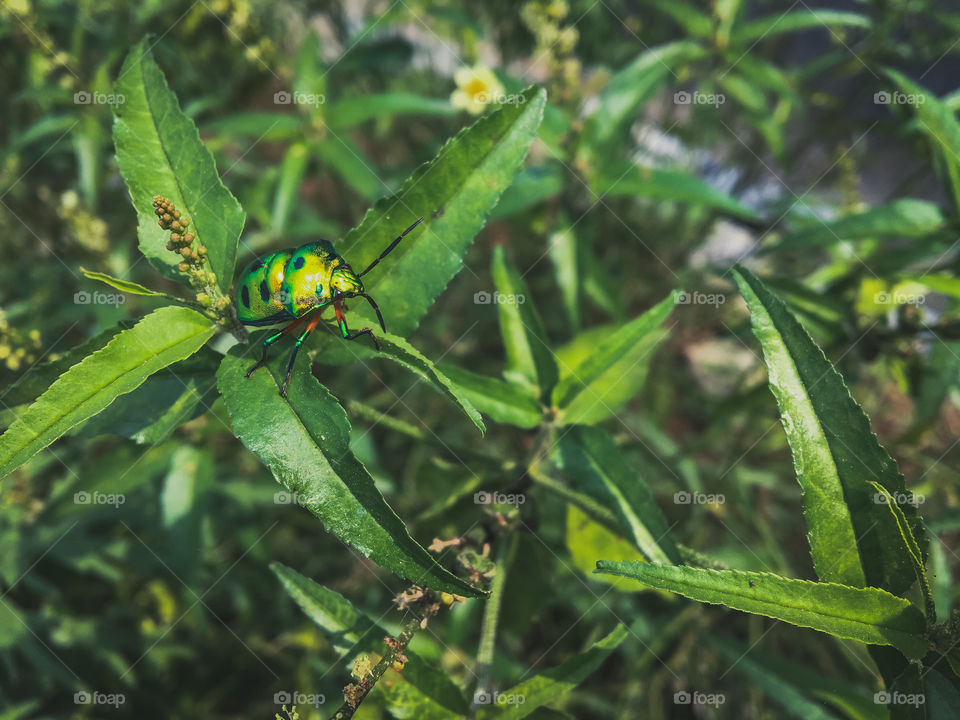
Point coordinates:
[(386, 252), (379, 316)]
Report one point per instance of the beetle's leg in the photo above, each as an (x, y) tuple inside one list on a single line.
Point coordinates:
[(345, 331), (270, 341), (296, 348)]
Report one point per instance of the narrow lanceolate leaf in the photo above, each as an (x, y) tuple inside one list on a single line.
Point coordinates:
[(502, 401), (126, 286), (554, 683), (661, 184), (614, 372), (454, 193), (420, 691), (304, 440), (630, 87), (870, 615), (939, 123), (159, 152), (400, 351), (906, 217), (162, 338), (911, 545), (797, 20), (854, 539), (590, 458), (353, 111), (529, 357)]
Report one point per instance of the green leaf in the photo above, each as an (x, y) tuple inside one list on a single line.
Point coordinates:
[(870, 615), (402, 352), (696, 23), (454, 193), (939, 123), (529, 358), (587, 541), (291, 176), (304, 440), (906, 217), (164, 402), (669, 185), (420, 691), (562, 249), (796, 20), (911, 545), (127, 286), (159, 152), (31, 385), (160, 339), (531, 186), (353, 111), (263, 126), (182, 505), (632, 86), (836, 454), (504, 402), (590, 458), (794, 685), (613, 372), (348, 161), (553, 684)]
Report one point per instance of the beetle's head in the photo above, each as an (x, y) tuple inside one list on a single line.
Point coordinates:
[(344, 281)]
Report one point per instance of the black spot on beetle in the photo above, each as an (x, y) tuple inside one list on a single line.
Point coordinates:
[(264, 291), (245, 297), (299, 263), (257, 264)]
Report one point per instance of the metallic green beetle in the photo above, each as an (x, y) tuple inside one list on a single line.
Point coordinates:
[(295, 285)]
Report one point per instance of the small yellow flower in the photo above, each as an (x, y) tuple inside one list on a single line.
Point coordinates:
[(477, 87)]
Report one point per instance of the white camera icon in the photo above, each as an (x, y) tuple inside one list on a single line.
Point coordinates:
[(682, 97), (81, 97), (282, 97), (881, 98)]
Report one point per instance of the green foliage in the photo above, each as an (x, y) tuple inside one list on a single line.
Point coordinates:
[(545, 401)]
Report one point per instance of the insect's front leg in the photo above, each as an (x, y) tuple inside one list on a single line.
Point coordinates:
[(345, 330)]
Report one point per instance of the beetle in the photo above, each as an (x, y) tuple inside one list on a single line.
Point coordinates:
[(295, 284)]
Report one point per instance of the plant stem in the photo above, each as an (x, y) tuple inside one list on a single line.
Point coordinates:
[(491, 614), (394, 651)]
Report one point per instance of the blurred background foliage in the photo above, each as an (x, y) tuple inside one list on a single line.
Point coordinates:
[(678, 139)]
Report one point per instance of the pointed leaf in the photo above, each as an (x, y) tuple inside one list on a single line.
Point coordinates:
[(502, 401), (160, 339), (553, 684), (159, 152), (797, 20), (529, 357), (454, 193), (304, 440), (614, 371), (905, 217), (127, 286), (870, 615), (420, 687), (590, 458), (835, 453)]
